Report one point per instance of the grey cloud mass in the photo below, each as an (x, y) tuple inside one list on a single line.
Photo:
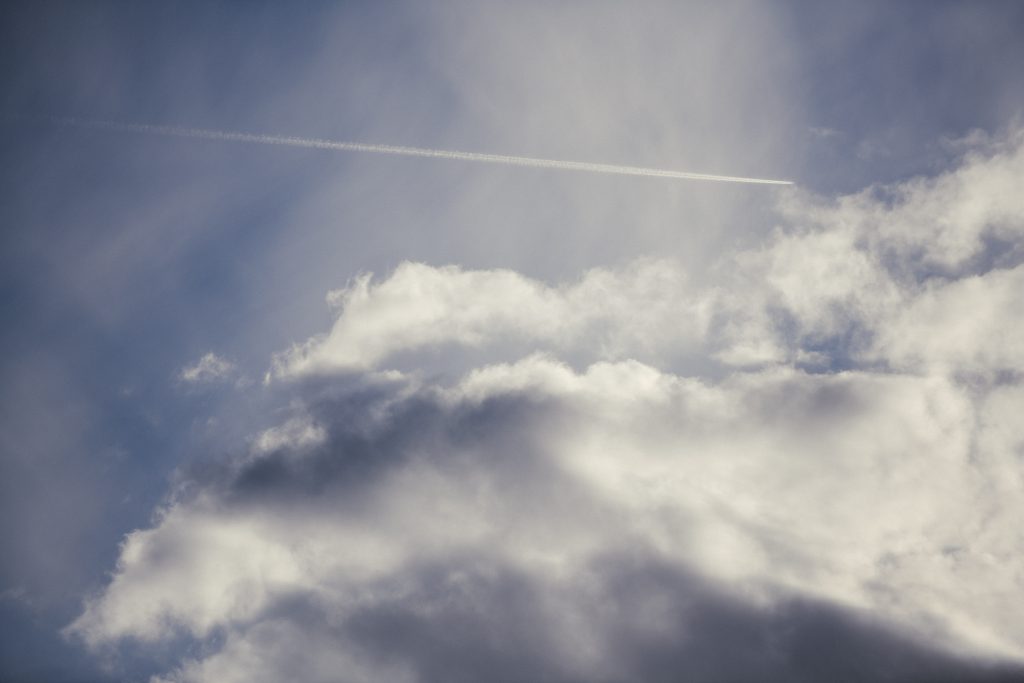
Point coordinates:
[(546, 426)]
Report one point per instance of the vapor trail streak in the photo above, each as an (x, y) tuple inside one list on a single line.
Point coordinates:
[(314, 143)]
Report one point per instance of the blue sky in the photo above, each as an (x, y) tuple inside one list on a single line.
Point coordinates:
[(127, 258)]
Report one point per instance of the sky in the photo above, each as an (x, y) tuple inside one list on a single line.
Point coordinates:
[(279, 413)]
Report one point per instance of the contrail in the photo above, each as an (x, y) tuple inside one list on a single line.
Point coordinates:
[(314, 143)]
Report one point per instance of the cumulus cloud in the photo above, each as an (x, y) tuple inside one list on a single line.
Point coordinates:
[(609, 313), (915, 276), (209, 368), (841, 476)]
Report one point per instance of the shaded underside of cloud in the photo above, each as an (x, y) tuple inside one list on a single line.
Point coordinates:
[(832, 492)]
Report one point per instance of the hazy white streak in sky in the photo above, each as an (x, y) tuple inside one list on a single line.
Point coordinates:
[(338, 145)]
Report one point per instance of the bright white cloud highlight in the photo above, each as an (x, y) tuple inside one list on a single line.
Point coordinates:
[(642, 309)]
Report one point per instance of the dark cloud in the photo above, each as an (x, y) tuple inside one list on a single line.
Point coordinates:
[(374, 428), (471, 619)]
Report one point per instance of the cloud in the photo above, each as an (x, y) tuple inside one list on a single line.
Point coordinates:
[(768, 486), (609, 313), (209, 368), (658, 625), (295, 434), (910, 276), (838, 476), (855, 277)]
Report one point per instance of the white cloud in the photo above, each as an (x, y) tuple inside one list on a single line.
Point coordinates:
[(861, 451), (913, 276), (296, 434), (209, 368), (869, 273), (970, 325), (856, 488), (935, 225), (645, 307), (223, 569)]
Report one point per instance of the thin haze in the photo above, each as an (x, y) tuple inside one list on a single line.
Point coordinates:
[(337, 145)]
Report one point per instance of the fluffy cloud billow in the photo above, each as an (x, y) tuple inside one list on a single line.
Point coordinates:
[(832, 492), (644, 308)]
